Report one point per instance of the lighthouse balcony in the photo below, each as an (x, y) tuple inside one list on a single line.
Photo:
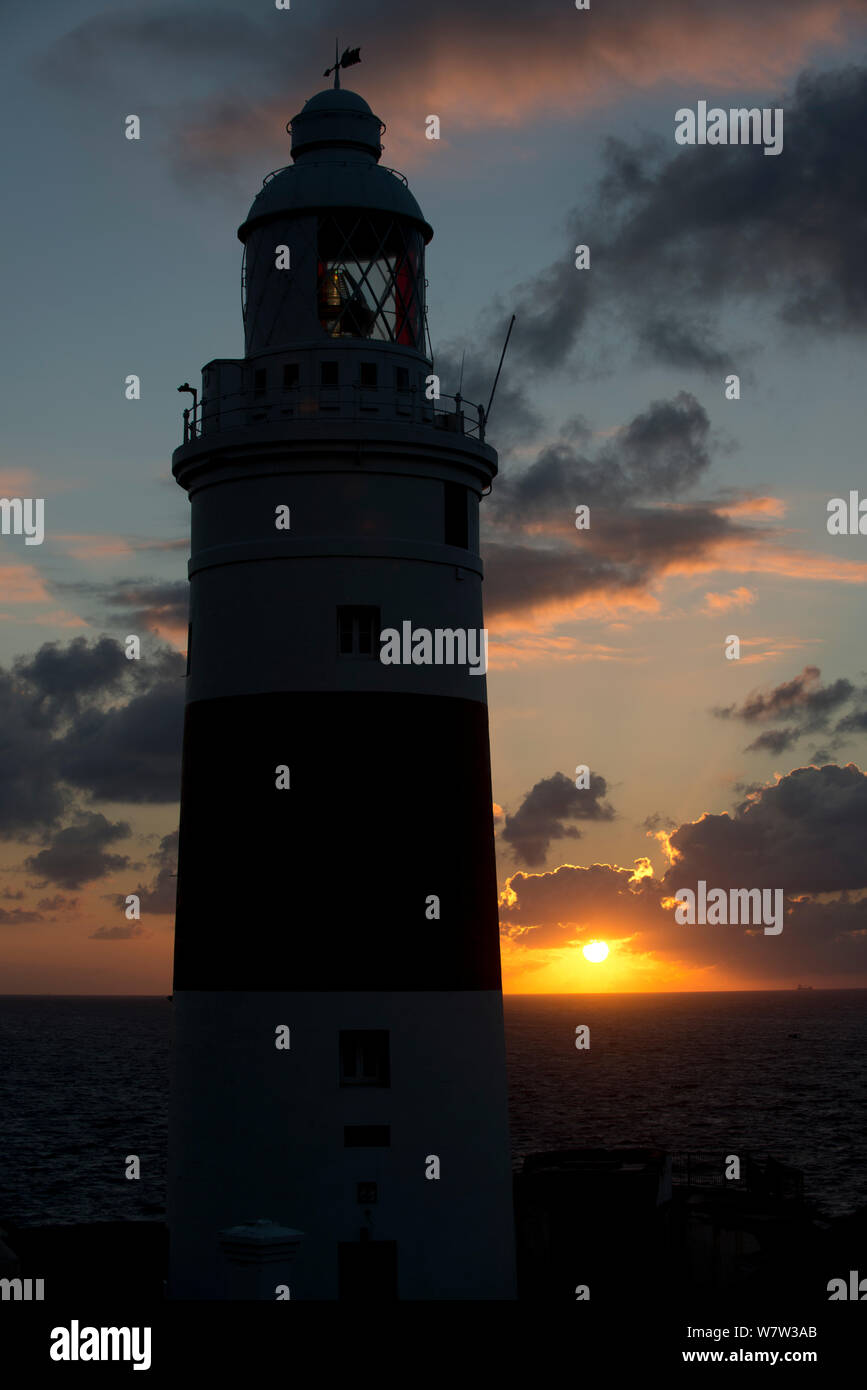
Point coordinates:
[(297, 407)]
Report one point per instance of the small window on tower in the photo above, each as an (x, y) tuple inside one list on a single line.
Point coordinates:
[(290, 375), (401, 378), (368, 374), (358, 632), (260, 381), (364, 1057), (328, 374)]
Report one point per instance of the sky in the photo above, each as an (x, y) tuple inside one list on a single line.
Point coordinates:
[(708, 515)]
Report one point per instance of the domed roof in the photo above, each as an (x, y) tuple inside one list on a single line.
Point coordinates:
[(338, 99), (336, 148), (336, 117)]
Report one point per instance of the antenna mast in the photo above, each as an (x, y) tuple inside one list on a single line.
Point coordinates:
[(500, 368)]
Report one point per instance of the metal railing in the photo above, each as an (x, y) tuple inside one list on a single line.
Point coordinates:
[(242, 409), (333, 163)]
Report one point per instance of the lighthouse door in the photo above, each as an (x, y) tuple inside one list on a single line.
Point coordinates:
[(367, 1271)]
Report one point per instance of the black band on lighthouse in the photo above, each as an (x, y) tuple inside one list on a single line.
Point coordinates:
[(324, 886)]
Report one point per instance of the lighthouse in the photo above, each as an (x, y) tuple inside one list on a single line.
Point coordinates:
[(338, 1117)]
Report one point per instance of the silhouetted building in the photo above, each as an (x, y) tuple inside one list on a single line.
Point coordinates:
[(349, 899)]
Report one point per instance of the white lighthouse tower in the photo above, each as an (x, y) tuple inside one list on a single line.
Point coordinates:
[(338, 1067)]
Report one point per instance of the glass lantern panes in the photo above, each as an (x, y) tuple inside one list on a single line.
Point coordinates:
[(370, 278)]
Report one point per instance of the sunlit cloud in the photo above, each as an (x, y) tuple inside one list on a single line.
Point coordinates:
[(723, 603)]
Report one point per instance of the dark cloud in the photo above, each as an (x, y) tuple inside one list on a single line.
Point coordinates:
[(546, 811), (656, 822), (30, 796), (698, 232), (658, 454), (62, 676), (854, 723), (57, 903), (18, 916), (83, 718), (800, 696), (78, 854), (774, 741), (804, 700), (618, 558), (804, 833), (677, 238), (119, 933), (152, 605), (534, 557), (160, 895), (674, 342), (148, 606), (130, 752)]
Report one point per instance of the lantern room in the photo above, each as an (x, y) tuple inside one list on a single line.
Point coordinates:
[(334, 243)]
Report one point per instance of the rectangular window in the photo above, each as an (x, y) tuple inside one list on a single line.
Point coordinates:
[(456, 525), (260, 381), (364, 1057), (401, 378), (328, 374), (366, 1194), (366, 1136), (358, 631), (290, 375), (368, 374)]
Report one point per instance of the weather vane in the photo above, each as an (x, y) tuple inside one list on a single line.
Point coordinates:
[(349, 56)]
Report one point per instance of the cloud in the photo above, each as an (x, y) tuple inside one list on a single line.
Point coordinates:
[(159, 897), (128, 753), (57, 902), (774, 741), (854, 723), (661, 452), (550, 910), (805, 704), (803, 833), (571, 905), (679, 237), (30, 796), (149, 606), (541, 570), (129, 931), (78, 854), (242, 77), (545, 811), (18, 916), (22, 584), (724, 603), (82, 718), (62, 676)]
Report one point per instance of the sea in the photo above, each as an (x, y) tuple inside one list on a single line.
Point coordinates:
[(83, 1084)]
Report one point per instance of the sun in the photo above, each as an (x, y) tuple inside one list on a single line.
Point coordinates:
[(595, 951)]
